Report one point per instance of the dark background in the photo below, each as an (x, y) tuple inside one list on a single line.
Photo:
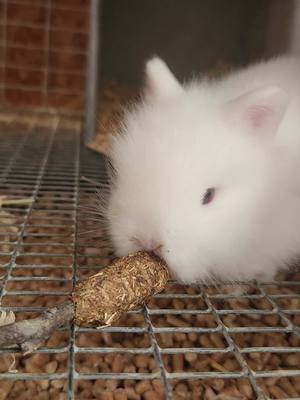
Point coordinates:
[(190, 35)]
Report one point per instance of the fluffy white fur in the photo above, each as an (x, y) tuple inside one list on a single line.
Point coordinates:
[(240, 135)]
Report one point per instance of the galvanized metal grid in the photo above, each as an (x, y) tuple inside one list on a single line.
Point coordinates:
[(47, 165)]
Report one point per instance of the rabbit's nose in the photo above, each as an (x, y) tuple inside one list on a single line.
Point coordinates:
[(157, 249), (150, 245)]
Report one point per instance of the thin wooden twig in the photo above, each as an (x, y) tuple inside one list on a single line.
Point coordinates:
[(32, 333)]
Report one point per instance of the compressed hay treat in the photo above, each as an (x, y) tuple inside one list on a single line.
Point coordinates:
[(98, 301), (125, 284)]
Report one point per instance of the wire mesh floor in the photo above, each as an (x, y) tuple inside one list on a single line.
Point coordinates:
[(190, 342)]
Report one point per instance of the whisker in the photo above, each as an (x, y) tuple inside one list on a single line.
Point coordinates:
[(95, 232), (91, 212), (89, 231), (107, 248), (96, 241), (90, 208), (94, 182), (92, 217), (88, 218)]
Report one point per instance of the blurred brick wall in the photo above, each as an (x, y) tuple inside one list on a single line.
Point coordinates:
[(43, 53)]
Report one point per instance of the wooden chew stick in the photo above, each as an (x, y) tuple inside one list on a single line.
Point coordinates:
[(98, 301)]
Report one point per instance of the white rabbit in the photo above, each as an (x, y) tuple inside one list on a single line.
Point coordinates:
[(207, 175)]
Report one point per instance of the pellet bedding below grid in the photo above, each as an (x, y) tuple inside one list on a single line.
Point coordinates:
[(190, 342)]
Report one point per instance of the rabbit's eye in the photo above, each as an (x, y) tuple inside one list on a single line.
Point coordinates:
[(208, 196)]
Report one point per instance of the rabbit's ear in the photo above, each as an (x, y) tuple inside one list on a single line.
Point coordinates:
[(259, 111), (160, 82)]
